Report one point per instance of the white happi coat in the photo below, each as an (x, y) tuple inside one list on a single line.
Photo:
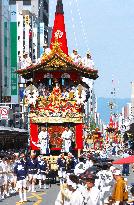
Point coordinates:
[(92, 196), (76, 198), (88, 62), (67, 138), (43, 139)]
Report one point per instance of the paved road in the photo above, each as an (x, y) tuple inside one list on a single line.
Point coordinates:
[(41, 197), (48, 196)]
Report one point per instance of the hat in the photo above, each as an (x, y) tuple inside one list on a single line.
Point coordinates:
[(75, 50), (116, 172), (89, 177)]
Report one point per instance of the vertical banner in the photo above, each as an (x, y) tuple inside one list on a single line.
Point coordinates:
[(35, 44), (13, 54), (79, 136), (33, 136), (27, 21), (41, 38)]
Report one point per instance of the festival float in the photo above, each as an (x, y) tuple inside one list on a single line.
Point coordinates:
[(97, 139), (56, 94), (112, 132)]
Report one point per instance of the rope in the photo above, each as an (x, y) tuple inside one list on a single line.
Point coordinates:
[(82, 26)]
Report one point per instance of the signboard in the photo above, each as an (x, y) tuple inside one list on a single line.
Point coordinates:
[(41, 38), (27, 21), (4, 111)]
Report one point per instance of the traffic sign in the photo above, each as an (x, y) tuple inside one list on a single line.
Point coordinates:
[(4, 111)]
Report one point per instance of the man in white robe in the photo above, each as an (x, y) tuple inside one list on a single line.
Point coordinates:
[(43, 139), (87, 61), (92, 193), (67, 136)]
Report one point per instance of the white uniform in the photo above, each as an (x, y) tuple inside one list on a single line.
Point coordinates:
[(87, 62), (43, 138), (92, 196), (104, 184), (67, 139), (63, 197), (76, 198), (76, 58), (80, 168), (25, 62)]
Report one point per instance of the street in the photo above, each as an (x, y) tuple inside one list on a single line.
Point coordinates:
[(48, 196), (40, 197)]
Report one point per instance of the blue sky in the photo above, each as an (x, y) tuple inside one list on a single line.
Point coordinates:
[(106, 28)]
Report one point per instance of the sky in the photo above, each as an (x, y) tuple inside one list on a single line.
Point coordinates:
[(106, 28)]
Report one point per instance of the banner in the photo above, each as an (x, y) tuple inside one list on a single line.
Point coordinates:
[(41, 37), (27, 21)]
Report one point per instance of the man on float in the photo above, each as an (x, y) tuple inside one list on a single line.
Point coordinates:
[(43, 139), (67, 137), (87, 61), (46, 49), (26, 61), (75, 57)]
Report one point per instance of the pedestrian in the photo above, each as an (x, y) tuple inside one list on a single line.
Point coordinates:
[(61, 162), (71, 162), (63, 197), (1, 183), (76, 197), (125, 170), (32, 167), (42, 172), (92, 193), (120, 191), (131, 201), (20, 170)]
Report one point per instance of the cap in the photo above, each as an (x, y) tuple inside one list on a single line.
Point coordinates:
[(75, 50), (116, 172)]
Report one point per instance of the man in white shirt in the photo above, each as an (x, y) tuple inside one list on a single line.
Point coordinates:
[(87, 61), (43, 139), (26, 61), (76, 197), (67, 136), (92, 193), (46, 49), (76, 57)]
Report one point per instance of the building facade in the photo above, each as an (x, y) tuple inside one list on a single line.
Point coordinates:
[(5, 91), (27, 18)]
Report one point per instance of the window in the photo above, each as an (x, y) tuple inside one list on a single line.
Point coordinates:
[(45, 5), (12, 2), (26, 2)]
